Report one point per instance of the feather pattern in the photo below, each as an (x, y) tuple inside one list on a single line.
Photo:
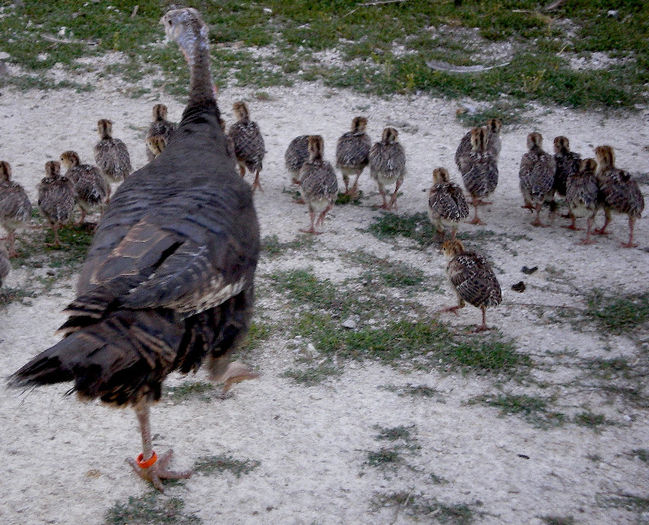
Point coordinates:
[(249, 145), (387, 162), (536, 176), (113, 159), (352, 151), (296, 155), (56, 199), (318, 184), (620, 193), (15, 207), (582, 193), (447, 204), (479, 173), (567, 164), (90, 188), (473, 279)]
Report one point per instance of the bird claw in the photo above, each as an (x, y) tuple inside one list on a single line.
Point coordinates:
[(235, 373), (158, 471)]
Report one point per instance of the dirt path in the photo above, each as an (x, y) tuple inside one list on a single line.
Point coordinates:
[(287, 453)]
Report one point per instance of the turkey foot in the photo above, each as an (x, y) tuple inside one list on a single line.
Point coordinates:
[(158, 470)]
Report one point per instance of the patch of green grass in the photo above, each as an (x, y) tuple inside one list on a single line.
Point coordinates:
[(591, 420), (9, 295), (150, 509), (313, 376), (257, 333), (420, 344), (225, 463), (386, 457), (608, 368), (618, 314), (556, 520), (303, 287), (534, 410), (412, 390), (201, 390), (416, 227), (400, 433), (368, 35), (273, 247), (347, 198), (420, 506), (393, 274), (629, 502), (642, 454)]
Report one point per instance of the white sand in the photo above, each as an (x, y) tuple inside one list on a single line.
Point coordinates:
[(64, 460)]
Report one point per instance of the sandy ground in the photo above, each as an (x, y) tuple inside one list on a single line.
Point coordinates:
[(64, 461)]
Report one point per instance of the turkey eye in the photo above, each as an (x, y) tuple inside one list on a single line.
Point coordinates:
[(169, 22)]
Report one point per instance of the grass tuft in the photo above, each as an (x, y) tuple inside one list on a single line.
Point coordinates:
[(618, 314), (420, 506), (225, 463), (150, 509), (533, 409)]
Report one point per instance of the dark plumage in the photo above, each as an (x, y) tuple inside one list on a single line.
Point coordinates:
[(248, 142), (90, 187), (388, 165), (318, 183), (536, 176), (618, 191), (567, 163), (479, 169), (168, 281), (160, 127), (447, 205), (472, 278), (15, 208), (352, 152), (582, 196), (56, 198)]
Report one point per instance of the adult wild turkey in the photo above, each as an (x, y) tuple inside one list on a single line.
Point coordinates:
[(168, 280)]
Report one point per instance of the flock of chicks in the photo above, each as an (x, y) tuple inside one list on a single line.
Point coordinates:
[(587, 185)]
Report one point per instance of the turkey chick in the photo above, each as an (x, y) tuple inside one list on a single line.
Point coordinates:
[(536, 176), (248, 142), (318, 183), (388, 165), (90, 187), (15, 208), (472, 278), (56, 198), (447, 205), (352, 153)]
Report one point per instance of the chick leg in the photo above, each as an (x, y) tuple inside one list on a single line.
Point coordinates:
[(346, 181), (607, 220), (476, 219), (11, 241), (312, 229), (589, 225), (321, 217), (460, 304), (393, 199), (158, 470), (630, 243), (355, 185), (483, 327), (256, 183), (573, 224), (537, 219)]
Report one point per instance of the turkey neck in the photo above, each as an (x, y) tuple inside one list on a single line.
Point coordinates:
[(201, 89)]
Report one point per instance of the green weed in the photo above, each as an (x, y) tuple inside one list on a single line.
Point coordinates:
[(150, 509), (225, 463)]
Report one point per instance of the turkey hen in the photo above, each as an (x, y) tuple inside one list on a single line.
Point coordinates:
[(168, 280)]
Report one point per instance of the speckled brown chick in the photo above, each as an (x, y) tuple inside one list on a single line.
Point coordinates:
[(447, 205), (318, 183), (472, 278), (56, 198), (352, 153), (15, 208), (618, 191), (582, 196), (492, 129), (479, 170), (159, 127), (5, 265), (248, 142), (536, 176), (111, 154), (90, 187), (295, 156), (566, 162), (155, 145), (388, 165)]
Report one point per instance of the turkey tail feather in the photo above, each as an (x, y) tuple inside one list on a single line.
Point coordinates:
[(120, 359)]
